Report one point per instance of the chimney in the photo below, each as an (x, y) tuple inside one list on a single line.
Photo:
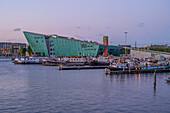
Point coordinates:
[(105, 42)]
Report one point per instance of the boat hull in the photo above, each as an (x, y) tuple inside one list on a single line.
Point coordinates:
[(98, 63)]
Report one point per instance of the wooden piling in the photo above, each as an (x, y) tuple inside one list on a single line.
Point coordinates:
[(106, 71), (60, 67), (129, 70), (155, 79)]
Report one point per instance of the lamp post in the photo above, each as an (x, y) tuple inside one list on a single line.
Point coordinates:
[(125, 40)]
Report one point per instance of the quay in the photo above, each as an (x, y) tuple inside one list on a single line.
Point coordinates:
[(81, 67), (137, 71)]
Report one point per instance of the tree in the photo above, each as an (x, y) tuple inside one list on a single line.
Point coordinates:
[(29, 50), (162, 49), (22, 51), (151, 48), (156, 49), (127, 51), (12, 48)]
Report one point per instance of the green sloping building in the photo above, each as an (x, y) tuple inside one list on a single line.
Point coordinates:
[(59, 46)]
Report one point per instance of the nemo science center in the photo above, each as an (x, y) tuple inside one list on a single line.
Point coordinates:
[(60, 46)]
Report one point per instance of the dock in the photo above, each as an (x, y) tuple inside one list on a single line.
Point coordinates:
[(81, 67), (137, 71)]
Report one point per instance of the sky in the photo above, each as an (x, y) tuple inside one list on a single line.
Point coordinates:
[(146, 21)]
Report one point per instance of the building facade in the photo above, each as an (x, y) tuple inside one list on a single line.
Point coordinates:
[(6, 47), (59, 46)]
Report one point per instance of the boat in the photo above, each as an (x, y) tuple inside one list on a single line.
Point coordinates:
[(65, 61), (138, 66), (100, 61), (29, 60), (168, 80), (121, 66)]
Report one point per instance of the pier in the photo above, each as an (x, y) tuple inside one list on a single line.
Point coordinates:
[(81, 67), (137, 71)]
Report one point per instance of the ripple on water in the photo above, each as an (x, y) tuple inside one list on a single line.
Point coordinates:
[(31, 88)]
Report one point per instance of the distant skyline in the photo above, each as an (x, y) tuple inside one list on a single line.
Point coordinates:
[(146, 21)]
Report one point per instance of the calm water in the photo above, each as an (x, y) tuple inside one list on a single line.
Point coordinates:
[(41, 89)]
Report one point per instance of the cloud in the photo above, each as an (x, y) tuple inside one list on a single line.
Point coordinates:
[(141, 25), (108, 27), (78, 36), (17, 29), (88, 27), (78, 27), (100, 34), (10, 40)]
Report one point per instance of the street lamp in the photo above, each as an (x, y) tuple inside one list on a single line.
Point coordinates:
[(125, 40)]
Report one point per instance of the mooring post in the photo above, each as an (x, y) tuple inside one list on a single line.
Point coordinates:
[(105, 70), (60, 67), (129, 70), (155, 79)]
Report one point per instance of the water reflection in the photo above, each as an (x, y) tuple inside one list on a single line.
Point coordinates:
[(45, 89)]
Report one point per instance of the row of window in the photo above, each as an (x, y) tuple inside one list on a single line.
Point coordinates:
[(82, 45), (89, 49), (37, 41), (38, 37)]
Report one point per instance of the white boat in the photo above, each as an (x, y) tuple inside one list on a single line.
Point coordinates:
[(101, 60), (29, 60)]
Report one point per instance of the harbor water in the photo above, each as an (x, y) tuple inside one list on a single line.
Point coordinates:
[(45, 89)]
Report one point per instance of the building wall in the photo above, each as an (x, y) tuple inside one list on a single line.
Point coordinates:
[(63, 46), (145, 54), (67, 47), (5, 47), (37, 43)]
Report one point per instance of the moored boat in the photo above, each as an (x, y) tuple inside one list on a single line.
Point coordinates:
[(100, 61), (168, 80), (29, 60)]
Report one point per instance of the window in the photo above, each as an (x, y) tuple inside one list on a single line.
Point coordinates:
[(111, 50), (83, 45)]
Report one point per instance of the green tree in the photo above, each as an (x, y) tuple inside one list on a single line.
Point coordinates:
[(127, 51), (22, 51), (166, 49), (12, 48), (156, 49), (151, 48), (162, 49), (29, 50)]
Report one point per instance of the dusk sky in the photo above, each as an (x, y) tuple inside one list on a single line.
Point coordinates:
[(146, 21)]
